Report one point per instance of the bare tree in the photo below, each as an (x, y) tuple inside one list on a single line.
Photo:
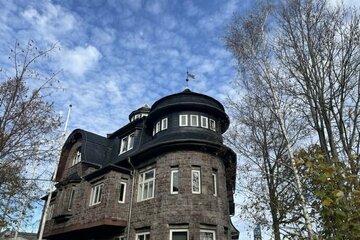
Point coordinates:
[(265, 176), (305, 54), (319, 47), (28, 125)]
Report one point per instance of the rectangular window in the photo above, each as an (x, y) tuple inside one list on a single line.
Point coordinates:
[(179, 234), (158, 126), (146, 185), (212, 124), (196, 181), (127, 143), (183, 120), (131, 141), (71, 199), (122, 192), (214, 183), (204, 122), (207, 235), (164, 123), (143, 236), (96, 194), (194, 120), (77, 157), (174, 181)]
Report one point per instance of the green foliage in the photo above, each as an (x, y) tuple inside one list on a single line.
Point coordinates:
[(336, 193)]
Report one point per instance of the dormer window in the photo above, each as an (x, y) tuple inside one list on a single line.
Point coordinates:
[(127, 143), (77, 157), (137, 116)]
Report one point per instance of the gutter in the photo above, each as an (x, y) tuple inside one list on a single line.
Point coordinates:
[(133, 176)]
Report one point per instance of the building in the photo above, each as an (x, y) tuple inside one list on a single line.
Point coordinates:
[(164, 175)]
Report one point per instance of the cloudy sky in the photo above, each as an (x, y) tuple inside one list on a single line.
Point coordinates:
[(115, 56)]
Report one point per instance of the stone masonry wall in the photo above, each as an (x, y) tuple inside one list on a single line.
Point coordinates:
[(185, 209), (82, 213)]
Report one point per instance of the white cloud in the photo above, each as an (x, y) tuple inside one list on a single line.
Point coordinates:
[(210, 22), (50, 20), (79, 60)]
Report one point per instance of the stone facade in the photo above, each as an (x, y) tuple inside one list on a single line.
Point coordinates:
[(123, 184)]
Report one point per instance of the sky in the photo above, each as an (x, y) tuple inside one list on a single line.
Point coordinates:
[(112, 57), (117, 55)]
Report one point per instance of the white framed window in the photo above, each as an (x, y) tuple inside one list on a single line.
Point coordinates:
[(214, 183), (207, 234), (77, 157), (50, 211), (183, 120), (146, 185), (179, 234), (164, 123), (204, 122), (174, 188), (158, 127), (71, 198), (212, 124), (96, 194), (127, 143), (196, 181), (143, 236), (194, 120), (122, 192)]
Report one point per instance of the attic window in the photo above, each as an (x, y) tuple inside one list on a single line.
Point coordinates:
[(127, 143), (137, 116), (77, 157)]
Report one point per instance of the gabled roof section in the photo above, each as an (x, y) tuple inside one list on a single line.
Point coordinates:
[(94, 149)]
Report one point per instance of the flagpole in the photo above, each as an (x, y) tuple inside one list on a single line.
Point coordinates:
[(53, 179)]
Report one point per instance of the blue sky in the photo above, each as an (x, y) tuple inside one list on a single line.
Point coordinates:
[(118, 55), (115, 56)]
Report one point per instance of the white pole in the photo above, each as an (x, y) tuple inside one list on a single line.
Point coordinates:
[(44, 216)]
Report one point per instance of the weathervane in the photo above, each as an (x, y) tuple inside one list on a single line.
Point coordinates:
[(189, 75)]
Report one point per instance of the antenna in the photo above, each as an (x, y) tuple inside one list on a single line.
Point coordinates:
[(62, 139)]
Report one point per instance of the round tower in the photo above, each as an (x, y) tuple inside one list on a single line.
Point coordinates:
[(185, 173)]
